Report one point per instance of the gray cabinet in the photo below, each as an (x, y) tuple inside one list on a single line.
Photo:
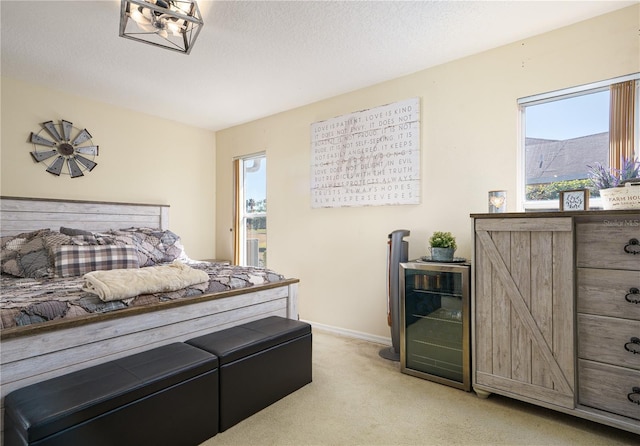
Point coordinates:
[(556, 312), (523, 308), (608, 315)]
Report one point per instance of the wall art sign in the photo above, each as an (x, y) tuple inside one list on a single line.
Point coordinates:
[(367, 158)]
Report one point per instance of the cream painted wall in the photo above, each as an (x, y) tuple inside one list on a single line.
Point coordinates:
[(143, 159), (469, 132)]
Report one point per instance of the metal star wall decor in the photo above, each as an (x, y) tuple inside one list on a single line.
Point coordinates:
[(76, 153)]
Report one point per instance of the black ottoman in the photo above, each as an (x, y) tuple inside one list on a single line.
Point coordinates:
[(260, 362), (164, 396)]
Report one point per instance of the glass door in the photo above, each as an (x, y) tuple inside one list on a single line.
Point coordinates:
[(435, 322), (251, 211)]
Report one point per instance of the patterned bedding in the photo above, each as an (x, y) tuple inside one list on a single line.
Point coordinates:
[(42, 272), (27, 301)]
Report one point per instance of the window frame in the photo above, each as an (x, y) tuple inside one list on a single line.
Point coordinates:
[(567, 93), (240, 214)]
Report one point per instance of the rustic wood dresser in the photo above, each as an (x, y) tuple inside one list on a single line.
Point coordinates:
[(556, 311)]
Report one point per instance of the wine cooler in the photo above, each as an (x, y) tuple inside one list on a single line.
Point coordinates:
[(435, 333)]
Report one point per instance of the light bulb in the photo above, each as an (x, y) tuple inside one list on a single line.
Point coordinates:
[(136, 14), (174, 28)]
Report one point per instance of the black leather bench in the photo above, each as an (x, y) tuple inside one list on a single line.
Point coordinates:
[(163, 396), (260, 362)]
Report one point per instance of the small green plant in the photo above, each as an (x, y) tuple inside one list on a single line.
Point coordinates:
[(442, 240)]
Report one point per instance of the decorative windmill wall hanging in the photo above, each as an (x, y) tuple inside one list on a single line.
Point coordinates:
[(75, 154)]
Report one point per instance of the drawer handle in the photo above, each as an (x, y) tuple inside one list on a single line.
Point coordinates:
[(634, 396), (633, 291), (633, 345), (633, 247)]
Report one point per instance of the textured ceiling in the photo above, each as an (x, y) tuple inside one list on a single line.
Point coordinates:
[(256, 58)]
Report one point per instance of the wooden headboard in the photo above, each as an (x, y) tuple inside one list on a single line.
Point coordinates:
[(28, 214)]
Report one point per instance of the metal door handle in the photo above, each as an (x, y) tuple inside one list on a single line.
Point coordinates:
[(633, 291), (634, 396), (633, 247), (633, 345)]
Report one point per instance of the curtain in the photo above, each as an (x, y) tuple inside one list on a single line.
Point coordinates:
[(621, 123), (237, 165)]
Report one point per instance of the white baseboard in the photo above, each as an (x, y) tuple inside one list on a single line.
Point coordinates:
[(351, 333)]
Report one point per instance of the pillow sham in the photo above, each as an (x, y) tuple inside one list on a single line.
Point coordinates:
[(154, 245), (33, 254), (73, 231), (77, 260), (27, 255)]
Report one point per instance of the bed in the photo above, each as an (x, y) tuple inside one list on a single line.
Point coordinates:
[(36, 350)]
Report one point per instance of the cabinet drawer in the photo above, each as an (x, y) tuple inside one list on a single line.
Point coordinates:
[(609, 340), (608, 388), (601, 243), (609, 292)]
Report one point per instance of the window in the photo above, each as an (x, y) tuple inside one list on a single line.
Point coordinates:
[(251, 211), (567, 131)]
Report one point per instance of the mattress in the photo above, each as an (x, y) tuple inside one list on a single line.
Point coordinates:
[(28, 301)]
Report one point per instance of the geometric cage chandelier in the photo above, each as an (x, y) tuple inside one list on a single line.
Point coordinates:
[(170, 24)]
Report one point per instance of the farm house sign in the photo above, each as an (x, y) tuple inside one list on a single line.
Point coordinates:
[(367, 158)]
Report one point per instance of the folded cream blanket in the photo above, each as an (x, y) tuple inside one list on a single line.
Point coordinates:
[(118, 284)]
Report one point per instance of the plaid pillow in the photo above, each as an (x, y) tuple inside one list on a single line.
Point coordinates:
[(72, 260)]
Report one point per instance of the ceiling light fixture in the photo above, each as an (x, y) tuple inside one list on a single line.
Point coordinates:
[(170, 24)]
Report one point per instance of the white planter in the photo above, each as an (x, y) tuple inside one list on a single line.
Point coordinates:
[(626, 197)]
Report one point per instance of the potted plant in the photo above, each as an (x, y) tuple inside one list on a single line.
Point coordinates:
[(611, 184), (442, 246)]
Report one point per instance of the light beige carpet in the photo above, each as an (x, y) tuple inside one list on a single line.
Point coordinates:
[(358, 398)]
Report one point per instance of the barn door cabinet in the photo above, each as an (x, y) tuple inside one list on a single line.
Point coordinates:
[(556, 312)]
